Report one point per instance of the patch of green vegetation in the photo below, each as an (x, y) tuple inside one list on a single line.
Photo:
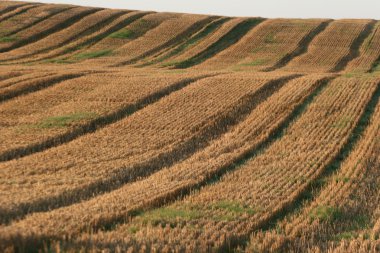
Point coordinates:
[(91, 55), (270, 38), (169, 215), (325, 213), (122, 34), (344, 236), (59, 61), (133, 229), (232, 210), (6, 39), (258, 62), (342, 122), (64, 120)]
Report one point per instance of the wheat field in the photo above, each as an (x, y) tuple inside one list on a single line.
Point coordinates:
[(138, 131)]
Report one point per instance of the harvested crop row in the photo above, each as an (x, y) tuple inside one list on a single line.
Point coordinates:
[(75, 31), (28, 86), (172, 31), (224, 214), (13, 80), (9, 75), (27, 19), (52, 25), (226, 41), (357, 245), (265, 45), (60, 55), (169, 183), (17, 11), (64, 109), (194, 50), (192, 41), (329, 50), (7, 6), (129, 148), (369, 53), (344, 206), (131, 32)]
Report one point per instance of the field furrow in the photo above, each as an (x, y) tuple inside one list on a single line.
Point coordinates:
[(67, 111), (7, 6), (369, 54), (344, 206), (32, 18), (266, 45), (39, 31), (76, 51), (217, 158), (19, 10), (112, 156), (28, 19), (13, 80), (185, 26), (191, 50), (28, 86), (334, 48), (185, 45), (222, 216), (77, 30), (227, 40)]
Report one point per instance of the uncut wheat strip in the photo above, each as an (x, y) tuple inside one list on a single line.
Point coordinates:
[(262, 184), (91, 103), (169, 32), (89, 40), (260, 45), (349, 181), (136, 29), (17, 11), (73, 32), (331, 46), (49, 26), (104, 159), (189, 173), (30, 18), (369, 53), (194, 50)]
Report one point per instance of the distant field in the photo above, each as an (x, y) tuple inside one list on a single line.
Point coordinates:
[(132, 131)]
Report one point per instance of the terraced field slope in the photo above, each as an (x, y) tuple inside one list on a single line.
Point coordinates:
[(132, 131)]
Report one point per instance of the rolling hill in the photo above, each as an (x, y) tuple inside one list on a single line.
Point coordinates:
[(135, 131)]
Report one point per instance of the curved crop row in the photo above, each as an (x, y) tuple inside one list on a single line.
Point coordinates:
[(62, 113), (223, 215), (28, 19), (265, 45), (69, 53), (73, 32), (369, 53), (344, 205), (191, 41), (52, 25), (114, 155), (171, 32), (332, 49), (217, 158)]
